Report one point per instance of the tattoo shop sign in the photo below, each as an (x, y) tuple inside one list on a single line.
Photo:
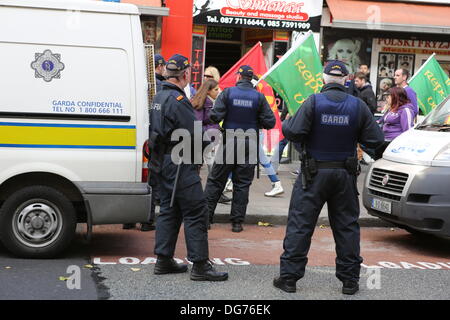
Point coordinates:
[(297, 15)]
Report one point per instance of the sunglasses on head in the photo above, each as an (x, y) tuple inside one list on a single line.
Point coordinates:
[(208, 76)]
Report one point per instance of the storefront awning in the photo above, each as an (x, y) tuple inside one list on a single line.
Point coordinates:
[(388, 16)]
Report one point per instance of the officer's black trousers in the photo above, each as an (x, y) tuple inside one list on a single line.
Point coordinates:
[(154, 198), (338, 188), (242, 178), (190, 208)]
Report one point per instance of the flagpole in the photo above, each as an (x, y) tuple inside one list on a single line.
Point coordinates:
[(287, 54), (420, 69)]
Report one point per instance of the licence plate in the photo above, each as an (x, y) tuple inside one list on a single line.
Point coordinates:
[(381, 205)]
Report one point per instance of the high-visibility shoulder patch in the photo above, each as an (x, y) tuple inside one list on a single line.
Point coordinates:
[(180, 97)]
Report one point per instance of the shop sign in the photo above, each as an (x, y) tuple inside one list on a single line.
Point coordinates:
[(198, 60), (224, 33), (299, 15), (425, 47)]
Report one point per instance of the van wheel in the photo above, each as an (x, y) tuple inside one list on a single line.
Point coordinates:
[(37, 222)]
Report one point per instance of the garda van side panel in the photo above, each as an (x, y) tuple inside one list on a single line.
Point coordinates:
[(142, 108), (63, 65)]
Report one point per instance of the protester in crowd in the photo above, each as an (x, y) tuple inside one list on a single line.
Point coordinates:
[(212, 73), (203, 102), (277, 156), (398, 118), (364, 68), (366, 91), (366, 94), (352, 88), (401, 77), (277, 188)]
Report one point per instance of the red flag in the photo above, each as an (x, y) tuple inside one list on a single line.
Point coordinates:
[(255, 59)]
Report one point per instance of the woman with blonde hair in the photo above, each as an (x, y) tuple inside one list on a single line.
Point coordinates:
[(211, 73)]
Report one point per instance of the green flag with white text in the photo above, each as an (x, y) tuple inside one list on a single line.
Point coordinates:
[(298, 74), (431, 84)]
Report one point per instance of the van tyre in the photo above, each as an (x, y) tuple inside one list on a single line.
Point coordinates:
[(37, 222)]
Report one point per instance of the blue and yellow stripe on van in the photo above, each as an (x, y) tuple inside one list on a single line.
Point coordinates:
[(55, 135)]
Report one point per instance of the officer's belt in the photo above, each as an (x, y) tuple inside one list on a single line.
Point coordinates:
[(330, 164)]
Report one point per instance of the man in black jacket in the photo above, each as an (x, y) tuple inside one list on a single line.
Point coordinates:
[(365, 91), (243, 109)]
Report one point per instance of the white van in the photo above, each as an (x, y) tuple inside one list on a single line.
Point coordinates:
[(410, 186), (73, 121)]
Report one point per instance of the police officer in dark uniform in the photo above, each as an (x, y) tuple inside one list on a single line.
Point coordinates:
[(160, 67), (328, 126), (240, 107), (181, 193)]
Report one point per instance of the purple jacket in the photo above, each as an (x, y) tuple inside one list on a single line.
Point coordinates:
[(395, 123), (203, 115), (412, 96)]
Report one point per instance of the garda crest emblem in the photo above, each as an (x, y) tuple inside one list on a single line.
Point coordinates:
[(47, 65)]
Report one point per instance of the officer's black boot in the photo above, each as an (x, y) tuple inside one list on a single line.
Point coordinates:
[(166, 265), (236, 227), (350, 287), (285, 284), (204, 271)]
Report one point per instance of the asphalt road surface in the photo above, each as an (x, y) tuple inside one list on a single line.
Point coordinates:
[(118, 265)]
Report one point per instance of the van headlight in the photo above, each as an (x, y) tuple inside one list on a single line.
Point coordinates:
[(444, 154)]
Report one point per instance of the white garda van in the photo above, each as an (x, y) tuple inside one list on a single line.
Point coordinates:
[(73, 121), (410, 186)]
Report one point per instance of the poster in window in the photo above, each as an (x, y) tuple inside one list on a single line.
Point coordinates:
[(406, 61), (386, 65), (351, 51)]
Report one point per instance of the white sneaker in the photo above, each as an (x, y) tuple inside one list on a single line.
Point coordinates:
[(277, 189), (229, 186)]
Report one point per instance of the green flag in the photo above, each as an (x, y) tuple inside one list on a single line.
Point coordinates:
[(298, 74), (432, 85)]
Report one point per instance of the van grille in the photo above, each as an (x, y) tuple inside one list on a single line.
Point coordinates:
[(385, 195), (396, 182)]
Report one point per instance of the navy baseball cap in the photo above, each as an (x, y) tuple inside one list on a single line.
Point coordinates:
[(159, 59), (336, 68), (177, 62), (245, 71)]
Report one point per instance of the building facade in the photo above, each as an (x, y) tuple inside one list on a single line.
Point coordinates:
[(386, 35)]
